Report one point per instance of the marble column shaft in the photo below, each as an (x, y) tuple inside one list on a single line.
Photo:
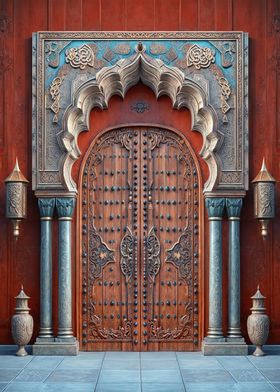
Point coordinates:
[(215, 207), (233, 207), (46, 206), (65, 207)]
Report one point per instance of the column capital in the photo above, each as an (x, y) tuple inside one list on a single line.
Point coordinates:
[(233, 207), (215, 206), (65, 207), (46, 207)]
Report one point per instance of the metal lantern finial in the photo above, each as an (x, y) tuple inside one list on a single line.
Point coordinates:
[(16, 191), (264, 198)]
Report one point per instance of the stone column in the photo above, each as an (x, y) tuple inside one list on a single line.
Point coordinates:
[(233, 207), (46, 206), (215, 208), (65, 207)]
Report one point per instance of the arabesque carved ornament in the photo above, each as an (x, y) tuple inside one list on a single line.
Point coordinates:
[(200, 57)]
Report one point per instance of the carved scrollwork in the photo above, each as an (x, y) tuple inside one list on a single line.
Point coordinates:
[(80, 57), (99, 254), (183, 331), (200, 57), (153, 252), (225, 94), (181, 255), (55, 94), (124, 332), (127, 254)]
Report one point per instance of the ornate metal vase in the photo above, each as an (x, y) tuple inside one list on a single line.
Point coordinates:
[(258, 323), (22, 323)]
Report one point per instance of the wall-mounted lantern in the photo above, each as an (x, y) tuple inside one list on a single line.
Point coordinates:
[(16, 197), (264, 198)]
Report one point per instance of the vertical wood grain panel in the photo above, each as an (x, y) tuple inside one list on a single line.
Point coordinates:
[(206, 19), (56, 11), (73, 13), (140, 15), (167, 15), (223, 15), (189, 15), (91, 15), (113, 15)]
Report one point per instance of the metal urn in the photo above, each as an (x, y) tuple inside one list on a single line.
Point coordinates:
[(258, 323), (22, 323)]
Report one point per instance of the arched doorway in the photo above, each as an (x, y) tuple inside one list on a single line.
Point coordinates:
[(140, 191)]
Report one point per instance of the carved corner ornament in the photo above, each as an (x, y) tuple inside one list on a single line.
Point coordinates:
[(200, 57), (80, 57)]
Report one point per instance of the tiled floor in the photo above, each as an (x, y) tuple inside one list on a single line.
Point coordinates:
[(140, 372)]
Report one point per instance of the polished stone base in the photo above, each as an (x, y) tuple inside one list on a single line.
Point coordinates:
[(55, 348), (224, 348)]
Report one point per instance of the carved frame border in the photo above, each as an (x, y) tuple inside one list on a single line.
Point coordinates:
[(117, 79)]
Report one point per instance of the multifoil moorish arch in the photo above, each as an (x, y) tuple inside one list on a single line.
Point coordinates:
[(163, 80)]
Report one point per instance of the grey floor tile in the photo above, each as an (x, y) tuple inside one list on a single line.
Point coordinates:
[(211, 387), (272, 374), (121, 355), (161, 376), (72, 363), (73, 375), (247, 375), (158, 355), (235, 362), (166, 387), (166, 364), (3, 385), (7, 375), (41, 362), (255, 387), (206, 375), (118, 387), (200, 363), (25, 387), (275, 384), (268, 361), (113, 364), (119, 376), (11, 361), (68, 387), (33, 375)]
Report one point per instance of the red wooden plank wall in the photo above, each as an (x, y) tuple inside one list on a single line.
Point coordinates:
[(19, 262)]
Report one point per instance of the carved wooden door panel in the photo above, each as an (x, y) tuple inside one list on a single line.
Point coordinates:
[(140, 247)]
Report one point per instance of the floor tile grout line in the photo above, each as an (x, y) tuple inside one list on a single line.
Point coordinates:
[(140, 362), (270, 382), (19, 372), (54, 368), (180, 370), (96, 384)]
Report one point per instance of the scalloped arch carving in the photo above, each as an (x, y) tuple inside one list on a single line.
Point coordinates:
[(117, 80)]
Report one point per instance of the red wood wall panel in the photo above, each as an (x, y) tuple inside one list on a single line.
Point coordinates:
[(19, 262)]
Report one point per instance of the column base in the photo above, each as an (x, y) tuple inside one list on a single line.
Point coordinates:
[(232, 347), (56, 348)]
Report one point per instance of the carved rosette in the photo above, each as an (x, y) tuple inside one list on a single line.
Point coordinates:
[(80, 57), (200, 57), (153, 252)]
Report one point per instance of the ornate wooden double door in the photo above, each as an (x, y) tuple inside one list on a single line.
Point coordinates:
[(140, 242)]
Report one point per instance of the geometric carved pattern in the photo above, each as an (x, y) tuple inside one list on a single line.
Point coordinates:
[(160, 62)]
